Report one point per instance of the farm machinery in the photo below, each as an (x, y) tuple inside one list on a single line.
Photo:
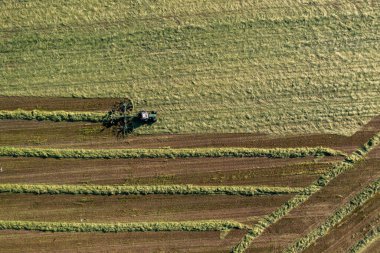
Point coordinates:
[(121, 120)]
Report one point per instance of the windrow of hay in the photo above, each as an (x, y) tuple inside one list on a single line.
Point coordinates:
[(370, 237), (300, 198), (146, 189), (209, 225), (168, 152), (337, 217), (56, 116)]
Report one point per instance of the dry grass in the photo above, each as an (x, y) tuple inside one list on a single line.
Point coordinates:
[(209, 66)]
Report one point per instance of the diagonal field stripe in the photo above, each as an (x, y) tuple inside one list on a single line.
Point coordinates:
[(348, 163)]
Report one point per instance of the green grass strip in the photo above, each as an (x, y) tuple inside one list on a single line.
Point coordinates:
[(357, 201), (56, 116), (146, 189), (370, 237), (210, 225), (167, 152), (337, 169)]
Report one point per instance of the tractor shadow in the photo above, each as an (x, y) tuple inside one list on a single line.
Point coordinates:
[(135, 123)]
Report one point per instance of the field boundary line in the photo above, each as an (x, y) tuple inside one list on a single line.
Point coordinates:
[(56, 116), (357, 201), (147, 189), (370, 237), (348, 163), (205, 225), (168, 152)]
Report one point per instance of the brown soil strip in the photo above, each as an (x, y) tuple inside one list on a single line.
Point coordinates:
[(207, 242), (87, 135), (350, 230), (56, 103), (136, 208), (300, 221), (298, 172)]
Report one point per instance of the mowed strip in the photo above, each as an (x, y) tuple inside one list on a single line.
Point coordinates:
[(168, 152), (315, 210), (173, 241), (136, 208), (287, 172), (367, 242), (349, 163), (357, 201), (356, 226), (90, 135)]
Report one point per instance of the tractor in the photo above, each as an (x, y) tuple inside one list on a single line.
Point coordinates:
[(119, 118)]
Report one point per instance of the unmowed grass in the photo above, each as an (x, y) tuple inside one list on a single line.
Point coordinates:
[(209, 66)]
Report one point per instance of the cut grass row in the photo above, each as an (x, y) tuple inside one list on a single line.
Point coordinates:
[(357, 201), (210, 225), (146, 189), (168, 152), (370, 237), (56, 116), (300, 198)]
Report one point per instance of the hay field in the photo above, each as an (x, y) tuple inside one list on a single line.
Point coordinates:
[(206, 66), (267, 139)]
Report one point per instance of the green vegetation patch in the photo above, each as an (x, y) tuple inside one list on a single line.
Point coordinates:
[(359, 200), (146, 189), (210, 225), (168, 152)]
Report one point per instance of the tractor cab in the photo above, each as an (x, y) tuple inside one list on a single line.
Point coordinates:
[(148, 117)]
